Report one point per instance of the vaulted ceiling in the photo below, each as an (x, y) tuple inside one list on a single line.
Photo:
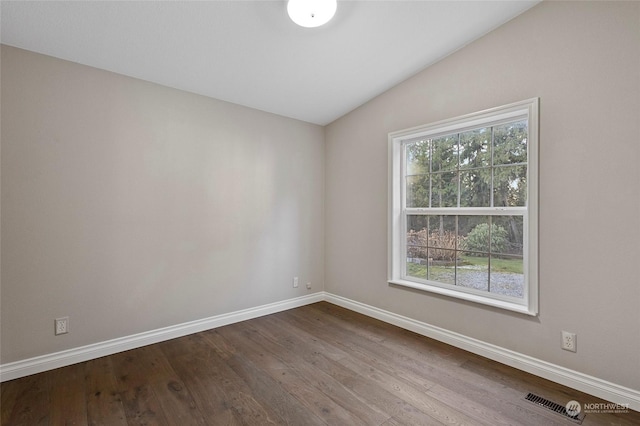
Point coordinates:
[(250, 52)]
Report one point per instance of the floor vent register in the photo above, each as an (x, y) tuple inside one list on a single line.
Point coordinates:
[(570, 413)]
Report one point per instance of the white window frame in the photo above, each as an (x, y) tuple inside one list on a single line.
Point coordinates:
[(398, 211)]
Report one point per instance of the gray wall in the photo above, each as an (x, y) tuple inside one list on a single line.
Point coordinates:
[(583, 60), (128, 206)]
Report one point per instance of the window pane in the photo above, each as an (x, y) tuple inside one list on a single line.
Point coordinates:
[(418, 223), (508, 238), (474, 148), (475, 188), (510, 143), (417, 261), (442, 232), (507, 276), (417, 268), (477, 238), (473, 271), (510, 186), (417, 255), (442, 265), (444, 153), (467, 223), (418, 191), (418, 158), (444, 189), (416, 252)]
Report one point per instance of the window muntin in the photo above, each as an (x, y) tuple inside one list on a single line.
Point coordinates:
[(463, 211)]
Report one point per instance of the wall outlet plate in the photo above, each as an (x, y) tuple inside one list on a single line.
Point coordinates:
[(62, 325), (569, 341)]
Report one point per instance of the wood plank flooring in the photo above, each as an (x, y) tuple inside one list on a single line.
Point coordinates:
[(315, 365)]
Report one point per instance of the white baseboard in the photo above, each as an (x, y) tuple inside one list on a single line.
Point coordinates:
[(47, 362), (573, 379)]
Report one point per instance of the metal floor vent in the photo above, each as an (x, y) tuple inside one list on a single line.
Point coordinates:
[(556, 408)]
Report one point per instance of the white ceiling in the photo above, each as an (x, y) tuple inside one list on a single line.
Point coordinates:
[(250, 53)]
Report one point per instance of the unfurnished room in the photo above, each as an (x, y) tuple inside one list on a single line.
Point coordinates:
[(320, 212)]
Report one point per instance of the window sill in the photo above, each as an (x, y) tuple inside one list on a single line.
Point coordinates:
[(503, 304)]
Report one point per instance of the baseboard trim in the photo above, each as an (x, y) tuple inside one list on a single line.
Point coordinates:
[(573, 379), (15, 370)]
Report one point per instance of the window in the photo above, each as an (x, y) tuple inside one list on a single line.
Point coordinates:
[(463, 207)]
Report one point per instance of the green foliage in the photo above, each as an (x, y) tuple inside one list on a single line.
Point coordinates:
[(468, 165), (478, 239)]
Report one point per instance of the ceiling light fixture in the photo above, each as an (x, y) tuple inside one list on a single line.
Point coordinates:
[(311, 13)]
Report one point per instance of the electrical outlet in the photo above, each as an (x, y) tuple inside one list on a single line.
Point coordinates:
[(295, 282), (62, 325), (569, 341), (309, 286)]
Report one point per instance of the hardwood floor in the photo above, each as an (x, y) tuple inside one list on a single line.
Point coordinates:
[(315, 365)]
